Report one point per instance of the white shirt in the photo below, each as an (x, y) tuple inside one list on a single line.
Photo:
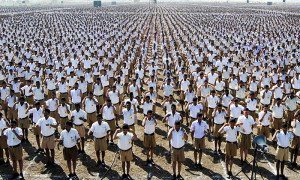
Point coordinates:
[(38, 93), (22, 110), (125, 141), (226, 100), (195, 109), (98, 130), (69, 138), (266, 119), (219, 117), (36, 114), (147, 106), (278, 111), (76, 115), (231, 133), (149, 126), (251, 104), (46, 130), (98, 90), (212, 101), (52, 104), (199, 129), (296, 127), (267, 99), (236, 111), (114, 97), (12, 139), (168, 106), (75, 95), (90, 105), (177, 140), (108, 113), (283, 140), (246, 128), (128, 116), (172, 118), (62, 110), (3, 125), (4, 92)]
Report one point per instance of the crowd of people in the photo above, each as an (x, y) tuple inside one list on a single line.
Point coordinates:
[(204, 72)]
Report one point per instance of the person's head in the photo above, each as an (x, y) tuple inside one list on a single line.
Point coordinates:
[(1, 115), (246, 111), (236, 101), (149, 114), (69, 125), (47, 113), (76, 85), (90, 94), (195, 100), (199, 116), (173, 108), (265, 109), (37, 105), (177, 125), (128, 105), (108, 102), (219, 107), (266, 87), (284, 127), (232, 122), (13, 124), (298, 115), (22, 99), (278, 101), (63, 100), (77, 107), (125, 128), (99, 118)]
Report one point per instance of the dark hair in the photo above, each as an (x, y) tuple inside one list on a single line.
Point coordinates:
[(125, 126)]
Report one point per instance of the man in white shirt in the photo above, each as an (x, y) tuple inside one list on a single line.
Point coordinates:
[(192, 109), (149, 124), (291, 105), (199, 129), (218, 121), (264, 119), (172, 117), (211, 101), (4, 124), (100, 131), (177, 136), (296, 140), (129, 115), (21, 108), (231, 147), (78, 117), (90, 104), (64, 111), (14, 138), (69, 137), (246, 123), (283, 138), (277, 113), (76, 95), (110, 115), (125, 145), (48, 125), (35, 114)]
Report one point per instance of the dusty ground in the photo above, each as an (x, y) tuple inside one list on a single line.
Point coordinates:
[(213, 165)]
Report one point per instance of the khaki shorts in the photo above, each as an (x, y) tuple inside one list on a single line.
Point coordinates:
[(216, 131), (3, 142), (245, 141), (112, 124), (178, 155), (209, 113), (253, 114), (24, 123), (81, 130), (16, 153), (296, 142), (277, 123), (100, 144), (91, 117), (199, 143), (282, 154), (36, 130), (54, 114), (100, 100), (64, 95), (126, 155), (70, 153), (264, 130), (290, 115), (149, 141), (11, 114), (63, 121), (231, 149), (48, 142), (29, 100)]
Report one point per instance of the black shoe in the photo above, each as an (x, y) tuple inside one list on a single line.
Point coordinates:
[(82, 151), (219, 151), (124, 176), (196, 165), (229, 173), (111, 143), (70, 175), (200, 166), (294, 164), (178, 176), (7, 162), (1, 162), (15, 175), (74, 175), (174, 176), (152, 162), (21, 175), (215, 152), (79, 151), (98, 163)]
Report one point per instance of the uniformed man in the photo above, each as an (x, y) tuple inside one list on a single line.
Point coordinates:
[(109, 115), (78, 117), (283, 138), (90, 104), (48, 125), (296, 140), (4, 124), (35, 114), (177, 136), (218, 121), (231, 130), (14, 136), (149, 124), (21, 108), (63, 112), (101, 131), (69, 137), (125, 145)]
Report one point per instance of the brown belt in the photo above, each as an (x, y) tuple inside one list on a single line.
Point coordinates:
[(101, 137), (148, 134), (283, 147), (78, 124), (231, 142), (125, 150), (48, 136), (177, 148)]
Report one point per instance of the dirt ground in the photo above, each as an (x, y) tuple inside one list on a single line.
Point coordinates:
[(213, 165)]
